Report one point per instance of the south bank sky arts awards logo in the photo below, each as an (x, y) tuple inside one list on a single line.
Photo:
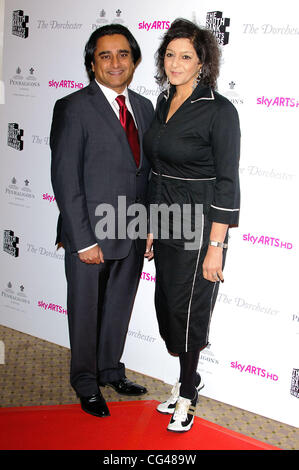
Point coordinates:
[(295, 383), (15, 136), (20, 24), (217, 24), (10, 243)]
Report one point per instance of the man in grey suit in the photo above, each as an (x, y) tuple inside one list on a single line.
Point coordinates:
[(97, 156)]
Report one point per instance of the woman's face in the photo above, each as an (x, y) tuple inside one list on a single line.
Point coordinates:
[(181, 62)]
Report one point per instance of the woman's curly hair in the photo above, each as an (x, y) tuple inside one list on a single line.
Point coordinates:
[(204, 43)]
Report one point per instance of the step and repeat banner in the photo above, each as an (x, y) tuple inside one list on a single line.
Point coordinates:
[(252, 359)]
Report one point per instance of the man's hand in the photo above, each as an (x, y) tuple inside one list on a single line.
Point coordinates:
[(92, 256)]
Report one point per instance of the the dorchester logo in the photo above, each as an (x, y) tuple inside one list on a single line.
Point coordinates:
[(270, 29)]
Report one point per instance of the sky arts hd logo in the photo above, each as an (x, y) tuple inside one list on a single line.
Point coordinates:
[(218, 25), (19, 24), (14, 137), (10, 242)]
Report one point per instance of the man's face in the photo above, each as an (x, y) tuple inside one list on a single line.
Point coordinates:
[(113, 64)]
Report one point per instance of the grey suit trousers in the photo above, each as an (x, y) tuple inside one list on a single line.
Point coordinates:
[(99, 302)]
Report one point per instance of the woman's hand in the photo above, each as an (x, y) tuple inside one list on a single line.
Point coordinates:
[(212, 265), (149, 254)]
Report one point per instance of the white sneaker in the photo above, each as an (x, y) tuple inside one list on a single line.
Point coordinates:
[(183, 416), (168, 406)]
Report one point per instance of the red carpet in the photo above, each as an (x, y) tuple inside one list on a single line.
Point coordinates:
[(133, 425)]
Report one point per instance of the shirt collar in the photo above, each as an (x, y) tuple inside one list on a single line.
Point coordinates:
[(110, 94), (201, 92)]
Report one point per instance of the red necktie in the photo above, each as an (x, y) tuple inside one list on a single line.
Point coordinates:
[(128, 124)]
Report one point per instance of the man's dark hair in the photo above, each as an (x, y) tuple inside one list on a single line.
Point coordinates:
[(109, 30)]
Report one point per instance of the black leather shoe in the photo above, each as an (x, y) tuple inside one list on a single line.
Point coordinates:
[(125, 387), (95, 405)]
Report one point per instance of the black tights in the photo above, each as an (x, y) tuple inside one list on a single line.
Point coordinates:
[(188, 377)]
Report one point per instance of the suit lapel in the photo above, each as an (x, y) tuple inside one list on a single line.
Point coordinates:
[(101, 104)]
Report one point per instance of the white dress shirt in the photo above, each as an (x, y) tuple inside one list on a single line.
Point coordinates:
[(111, 96)]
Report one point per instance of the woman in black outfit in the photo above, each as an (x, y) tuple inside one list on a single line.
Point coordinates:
[(193, 145)]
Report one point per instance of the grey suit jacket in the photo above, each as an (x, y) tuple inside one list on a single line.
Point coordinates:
[(92, 164)]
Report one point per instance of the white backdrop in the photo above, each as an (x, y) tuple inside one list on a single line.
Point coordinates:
[(252, 361)]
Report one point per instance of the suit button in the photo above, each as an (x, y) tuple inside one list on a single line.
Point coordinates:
[(138, 199), (138, 173)]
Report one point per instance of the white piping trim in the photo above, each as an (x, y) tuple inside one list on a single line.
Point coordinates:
[(194, 277), (222, 209), (184, 179), (211, 98), (208, 329)]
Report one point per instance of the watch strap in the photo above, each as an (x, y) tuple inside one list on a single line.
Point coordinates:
[(219, 244)]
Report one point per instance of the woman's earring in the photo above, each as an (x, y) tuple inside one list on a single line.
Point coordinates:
[(197, 79), (167, 89)]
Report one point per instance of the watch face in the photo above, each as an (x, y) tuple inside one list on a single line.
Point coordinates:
[(220, 244)]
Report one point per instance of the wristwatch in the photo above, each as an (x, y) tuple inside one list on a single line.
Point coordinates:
[(220, 244)]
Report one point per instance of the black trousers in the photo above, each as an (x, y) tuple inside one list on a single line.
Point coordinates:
[(100, 299)]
